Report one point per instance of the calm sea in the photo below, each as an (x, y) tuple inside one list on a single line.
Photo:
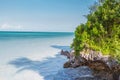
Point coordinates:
[(14, 35), (32, 55)]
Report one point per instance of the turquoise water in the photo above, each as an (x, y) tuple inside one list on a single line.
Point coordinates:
[(32, 55), (14, 35)]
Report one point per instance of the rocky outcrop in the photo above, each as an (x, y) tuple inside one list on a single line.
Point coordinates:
[(74, 74), (99, 63)]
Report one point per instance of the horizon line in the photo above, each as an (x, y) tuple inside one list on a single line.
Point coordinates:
[(40, 31)]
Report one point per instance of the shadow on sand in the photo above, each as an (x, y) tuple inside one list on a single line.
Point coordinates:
[(46, 68)]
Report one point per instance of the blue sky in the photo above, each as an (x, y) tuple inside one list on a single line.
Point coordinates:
[(43, 15)]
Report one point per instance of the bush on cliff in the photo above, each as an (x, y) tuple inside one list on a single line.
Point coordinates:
[(101, 32)]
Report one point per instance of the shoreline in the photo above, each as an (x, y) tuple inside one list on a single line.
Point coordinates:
[(26, 54), (102, 67)]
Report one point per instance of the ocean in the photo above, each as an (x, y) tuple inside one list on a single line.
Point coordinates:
[(32, 55)]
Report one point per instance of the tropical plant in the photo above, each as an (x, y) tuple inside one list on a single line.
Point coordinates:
[(101, 32)]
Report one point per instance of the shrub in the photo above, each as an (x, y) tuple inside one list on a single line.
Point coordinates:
[(101, 32)]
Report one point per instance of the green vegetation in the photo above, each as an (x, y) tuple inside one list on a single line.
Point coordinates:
[(101, 32)]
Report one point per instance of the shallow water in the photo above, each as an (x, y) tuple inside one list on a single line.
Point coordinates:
[(32, 56)]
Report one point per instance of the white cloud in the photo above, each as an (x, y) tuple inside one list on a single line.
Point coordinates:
[(10, 27)]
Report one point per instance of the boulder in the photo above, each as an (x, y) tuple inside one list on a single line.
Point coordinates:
[(67, 64), (65, 53)]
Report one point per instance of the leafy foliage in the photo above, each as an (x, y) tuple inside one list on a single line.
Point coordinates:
[(101, 32)]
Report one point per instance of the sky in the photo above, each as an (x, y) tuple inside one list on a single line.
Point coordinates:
[(43, 15)]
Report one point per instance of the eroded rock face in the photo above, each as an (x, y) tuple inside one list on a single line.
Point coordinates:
[(65, 53), (67, 64), (74, 73), (97, 62), (116, 74)]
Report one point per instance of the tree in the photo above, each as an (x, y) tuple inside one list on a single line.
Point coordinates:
[(101, 32)]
